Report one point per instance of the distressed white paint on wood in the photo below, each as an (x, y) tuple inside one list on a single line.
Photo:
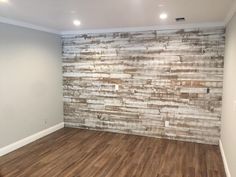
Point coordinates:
[(173, 75)]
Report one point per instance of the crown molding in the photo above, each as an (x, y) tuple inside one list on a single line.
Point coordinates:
[(148, 28), (231, 12), (27, 25), (112, 30)]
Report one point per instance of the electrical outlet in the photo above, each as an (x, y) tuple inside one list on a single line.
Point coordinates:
[(167, 123), (116, 87)]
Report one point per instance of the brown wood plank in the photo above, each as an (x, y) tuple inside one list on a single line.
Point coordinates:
[(85, 153)]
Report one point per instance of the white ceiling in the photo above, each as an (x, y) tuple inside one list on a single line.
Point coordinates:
[(104, 14)]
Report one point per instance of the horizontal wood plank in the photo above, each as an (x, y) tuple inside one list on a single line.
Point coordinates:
[(174, 76), (83, 153)]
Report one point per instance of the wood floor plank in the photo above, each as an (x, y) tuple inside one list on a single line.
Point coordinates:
[(85, 153)]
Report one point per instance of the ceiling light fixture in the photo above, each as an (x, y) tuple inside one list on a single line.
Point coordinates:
[(76, 22), (163, 16)]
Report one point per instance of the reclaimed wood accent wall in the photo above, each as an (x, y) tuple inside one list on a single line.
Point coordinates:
[(132, 82)]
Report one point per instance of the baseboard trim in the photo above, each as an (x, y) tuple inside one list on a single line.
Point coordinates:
[(14, 146), (224, 159)]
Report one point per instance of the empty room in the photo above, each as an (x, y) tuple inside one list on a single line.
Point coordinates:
[(117, 88)]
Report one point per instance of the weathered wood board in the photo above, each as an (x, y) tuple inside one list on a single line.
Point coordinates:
[(174, 75)]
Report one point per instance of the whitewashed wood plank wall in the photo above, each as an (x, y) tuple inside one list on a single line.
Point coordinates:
[(174, 75)]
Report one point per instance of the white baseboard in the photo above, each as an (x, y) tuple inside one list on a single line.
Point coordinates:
[(7, 149), (224, 159)]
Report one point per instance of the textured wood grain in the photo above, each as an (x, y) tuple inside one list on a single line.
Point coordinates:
[(174, 75), (84, 153)]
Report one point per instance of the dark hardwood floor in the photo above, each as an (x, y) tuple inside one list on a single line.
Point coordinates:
[(83, 153)]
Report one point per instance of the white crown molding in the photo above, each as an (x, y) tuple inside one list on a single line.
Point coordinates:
[(133, 29), (27, 25), (231, 12), (14, 146), (112, 30), (224, 159)]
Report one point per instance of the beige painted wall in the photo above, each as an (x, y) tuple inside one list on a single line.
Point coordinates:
[(30, 82), (228, 132)]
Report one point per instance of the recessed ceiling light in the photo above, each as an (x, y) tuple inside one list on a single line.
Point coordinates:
[(163, 16), (76, 22), (5, 1)]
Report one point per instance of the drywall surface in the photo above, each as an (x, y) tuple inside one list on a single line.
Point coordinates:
[(228, 134), (133, 82), (31, 82)]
